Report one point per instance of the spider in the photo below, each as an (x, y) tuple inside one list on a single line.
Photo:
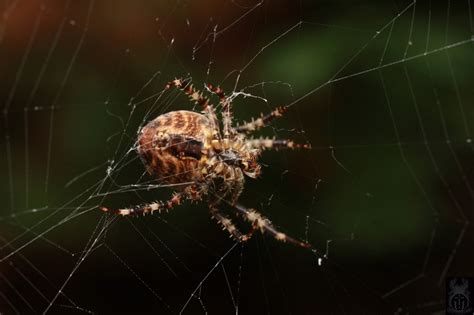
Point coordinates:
[(190, 151)]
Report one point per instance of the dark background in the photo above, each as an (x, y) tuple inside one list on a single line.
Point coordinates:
[(385, 195)]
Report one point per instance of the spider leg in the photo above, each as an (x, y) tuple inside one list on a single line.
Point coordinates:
[(276, 144), (264, 225), (188, 88), (148, 208), (197, 97), (228, 130), (230, 227), (262, 121)]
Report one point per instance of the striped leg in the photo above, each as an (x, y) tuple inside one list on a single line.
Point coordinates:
[(230, 227), (188, 88), (276, 144), (148, 208), (264, 225), (228, 131), (262, 121)]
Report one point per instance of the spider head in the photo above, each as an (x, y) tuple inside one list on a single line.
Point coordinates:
[(246, 162)]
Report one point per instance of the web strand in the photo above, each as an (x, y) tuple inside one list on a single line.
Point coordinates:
[(382, 99)]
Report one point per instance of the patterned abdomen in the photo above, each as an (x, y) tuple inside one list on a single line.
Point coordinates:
[(171, 146)]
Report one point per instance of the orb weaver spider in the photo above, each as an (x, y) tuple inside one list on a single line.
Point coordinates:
[(190, 151)]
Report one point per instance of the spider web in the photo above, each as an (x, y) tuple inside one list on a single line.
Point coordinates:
[(382, 91)]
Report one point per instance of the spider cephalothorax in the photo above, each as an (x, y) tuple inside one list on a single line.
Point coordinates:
[(207, 160)]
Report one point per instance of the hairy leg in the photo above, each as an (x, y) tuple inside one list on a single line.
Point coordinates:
[(262, 121), (148, 208), (229, 226), (228, 130), (264, 225), (276, 144), (187, 87)]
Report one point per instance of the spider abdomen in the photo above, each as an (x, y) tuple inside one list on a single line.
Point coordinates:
[(171, 146)]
